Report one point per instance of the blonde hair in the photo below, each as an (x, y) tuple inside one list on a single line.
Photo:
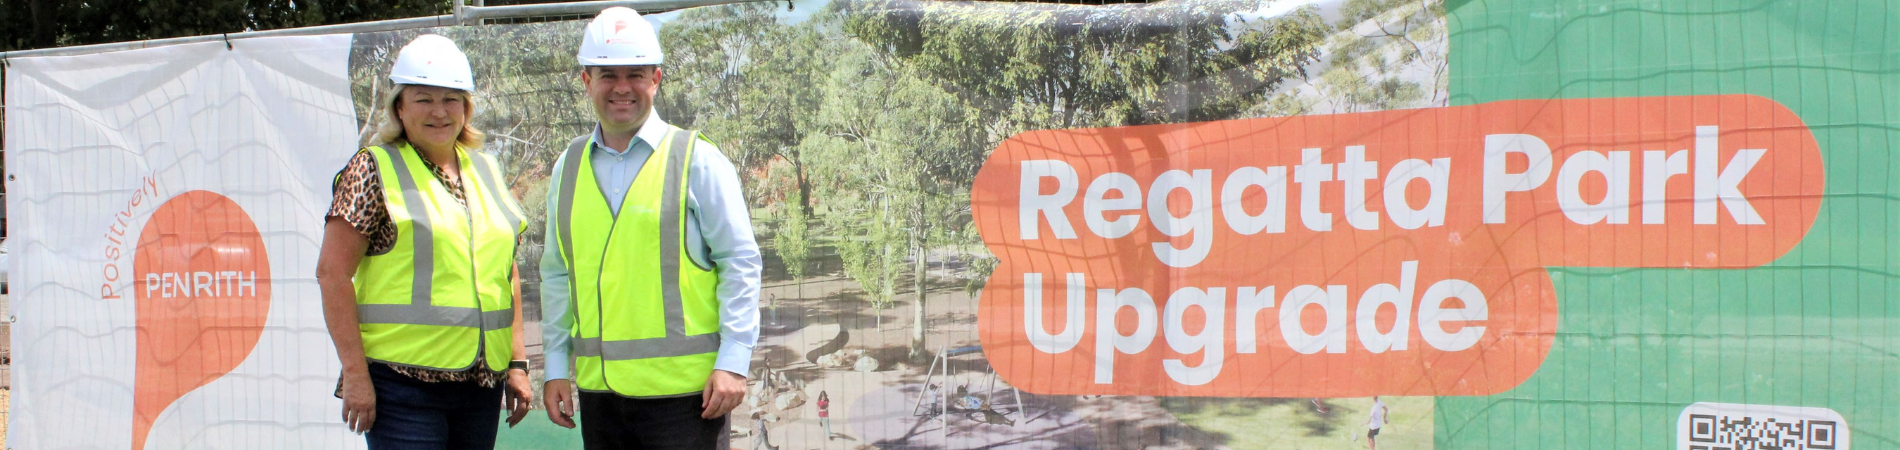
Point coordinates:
[(389, 131)]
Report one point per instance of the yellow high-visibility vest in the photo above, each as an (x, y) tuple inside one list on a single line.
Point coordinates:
[(443, 292), (646, 316)]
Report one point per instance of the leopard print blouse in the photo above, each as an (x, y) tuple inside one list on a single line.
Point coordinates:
[(357, 198)]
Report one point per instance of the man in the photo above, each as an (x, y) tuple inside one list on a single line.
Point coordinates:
[(650, 279), (1374, 423)]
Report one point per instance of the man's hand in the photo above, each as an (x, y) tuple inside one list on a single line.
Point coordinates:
[(558, 397), (724, 391), (517, 396), (359, 401)]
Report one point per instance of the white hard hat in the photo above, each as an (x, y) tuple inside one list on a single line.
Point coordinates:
[(433, 60), (620, 37)]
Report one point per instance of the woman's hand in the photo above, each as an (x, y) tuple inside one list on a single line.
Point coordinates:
[(517, 395), (343, 248), (359, 401)]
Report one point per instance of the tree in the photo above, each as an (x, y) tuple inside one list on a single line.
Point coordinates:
[(54, 23), (831, 119), (744, 77), (792, 241), (898, 153), (1384, 54), (1020, 67), (1041, 66), (1033, 66)]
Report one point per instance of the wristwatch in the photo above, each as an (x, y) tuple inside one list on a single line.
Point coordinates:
[(518, 364)]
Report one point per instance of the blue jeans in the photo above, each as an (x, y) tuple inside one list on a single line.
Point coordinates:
[(416, 415)]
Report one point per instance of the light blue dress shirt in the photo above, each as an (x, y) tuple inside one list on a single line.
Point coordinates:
[(718, 235)]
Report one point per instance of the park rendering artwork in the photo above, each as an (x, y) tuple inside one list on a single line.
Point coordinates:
[(859, 129)]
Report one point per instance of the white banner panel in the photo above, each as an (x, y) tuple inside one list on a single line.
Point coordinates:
[(167, 205)]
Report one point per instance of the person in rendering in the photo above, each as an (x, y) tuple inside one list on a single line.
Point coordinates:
[(824, 414), (1377, 420), (650, 279), (967, 401), (417, 269), (764, 438), (935, 398)]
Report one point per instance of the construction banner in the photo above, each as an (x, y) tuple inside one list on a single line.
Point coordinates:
[(165, 228), (1246, 224)]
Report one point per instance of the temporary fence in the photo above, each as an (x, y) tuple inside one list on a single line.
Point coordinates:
[(1183, 224)]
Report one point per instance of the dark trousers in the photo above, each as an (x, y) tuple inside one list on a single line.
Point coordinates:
[(612, 422), (416, 415)]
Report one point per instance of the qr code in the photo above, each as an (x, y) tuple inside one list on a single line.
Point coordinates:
[(1718, 426), (1710, 432)]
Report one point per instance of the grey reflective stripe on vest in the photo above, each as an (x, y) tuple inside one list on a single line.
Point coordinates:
[(647, 348), (492, 180), (676, 342), (564, 210), (671, 233), (447, 316), (419, 311), (423, 232)]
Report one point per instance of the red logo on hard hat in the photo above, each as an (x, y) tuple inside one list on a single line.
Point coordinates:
[(618, 36)]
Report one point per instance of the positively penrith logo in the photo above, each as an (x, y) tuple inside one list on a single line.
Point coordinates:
[(1384, 253), (202, 281)]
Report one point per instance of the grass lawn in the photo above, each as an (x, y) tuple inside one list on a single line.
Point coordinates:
[(1288, 423)]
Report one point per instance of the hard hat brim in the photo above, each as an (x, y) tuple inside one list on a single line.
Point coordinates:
[(465, 86), (621, 61)]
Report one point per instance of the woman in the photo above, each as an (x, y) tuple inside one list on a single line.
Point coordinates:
[(824, 414), (417, 269)]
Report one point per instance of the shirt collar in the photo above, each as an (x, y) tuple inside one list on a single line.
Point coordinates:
[(652, 131)]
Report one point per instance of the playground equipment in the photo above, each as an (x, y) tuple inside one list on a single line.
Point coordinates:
[(940, 403)]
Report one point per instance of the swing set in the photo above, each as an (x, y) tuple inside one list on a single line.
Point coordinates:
[(933, 402)]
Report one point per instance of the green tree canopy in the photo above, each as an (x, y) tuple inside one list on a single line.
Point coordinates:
[(1039, 66), (899, 152), (746, 79), (58, 23)]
